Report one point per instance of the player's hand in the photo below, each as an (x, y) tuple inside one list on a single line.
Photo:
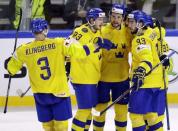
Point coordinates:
[(166, 62), (138, 77), (107, 44), (6, 62), (103, 43)]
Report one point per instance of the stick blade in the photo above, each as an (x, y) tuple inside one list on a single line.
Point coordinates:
[(95, 112)]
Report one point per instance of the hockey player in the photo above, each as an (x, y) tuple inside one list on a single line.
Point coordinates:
[(162, 49), (45, 60), (85, 73), (144, 97), (114, 70)]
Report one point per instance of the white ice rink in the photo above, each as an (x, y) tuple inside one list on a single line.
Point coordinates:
[(25, 119)]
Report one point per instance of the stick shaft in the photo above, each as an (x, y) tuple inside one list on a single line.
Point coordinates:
[(166, 102), (7, 95), (118, 99), (24, 93), (15, 44)]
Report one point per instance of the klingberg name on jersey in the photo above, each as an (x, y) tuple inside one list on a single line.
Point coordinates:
[(41, 48)]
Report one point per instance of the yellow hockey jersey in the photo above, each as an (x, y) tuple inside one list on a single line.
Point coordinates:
[(144, 50), (45, 61), (87, 70), (162, 48), (115, 65)]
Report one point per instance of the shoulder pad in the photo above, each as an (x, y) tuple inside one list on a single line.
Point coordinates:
[(85, 30)]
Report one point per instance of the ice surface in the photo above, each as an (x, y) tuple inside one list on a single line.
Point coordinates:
[(25, 119)]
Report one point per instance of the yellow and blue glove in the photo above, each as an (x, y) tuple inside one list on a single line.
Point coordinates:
[(104, 43), (138, 77)]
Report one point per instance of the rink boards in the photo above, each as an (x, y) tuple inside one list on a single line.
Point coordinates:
[(7, 39)]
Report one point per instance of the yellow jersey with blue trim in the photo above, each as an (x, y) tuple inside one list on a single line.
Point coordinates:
[(87, 70), (45, 61), (161, 47), (144, 54), (115, 64)]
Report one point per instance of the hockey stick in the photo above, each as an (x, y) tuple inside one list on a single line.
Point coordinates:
[(21, 93), (164, 78), (166, 101), (99, 113), (15, 45)]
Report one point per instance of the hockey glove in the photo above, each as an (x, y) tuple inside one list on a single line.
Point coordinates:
[(166, 62), (104, 43), (138, 77)]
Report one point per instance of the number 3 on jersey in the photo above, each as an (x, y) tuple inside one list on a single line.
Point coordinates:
[(45, 67)]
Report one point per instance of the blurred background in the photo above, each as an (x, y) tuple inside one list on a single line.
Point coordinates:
[(66, 14)]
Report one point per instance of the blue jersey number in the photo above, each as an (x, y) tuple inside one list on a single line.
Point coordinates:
[(45, 67)]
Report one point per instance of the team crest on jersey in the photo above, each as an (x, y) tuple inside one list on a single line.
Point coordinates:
[(119, 54), (85, 30), (152, 36)]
